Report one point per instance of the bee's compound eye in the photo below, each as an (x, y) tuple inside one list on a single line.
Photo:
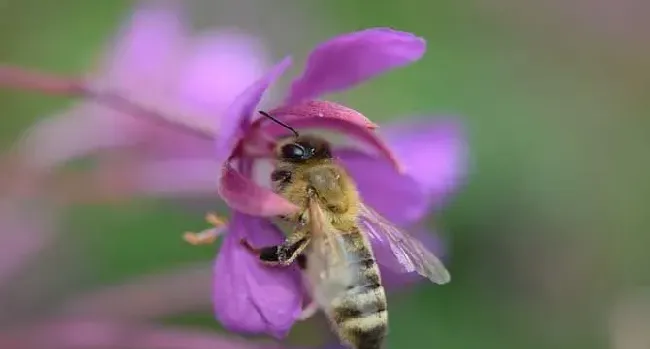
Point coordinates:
[(293, 151)]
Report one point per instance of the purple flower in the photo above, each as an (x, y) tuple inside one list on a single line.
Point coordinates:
[(249, 297), (337, 64)]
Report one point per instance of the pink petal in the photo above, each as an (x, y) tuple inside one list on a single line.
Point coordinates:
[(238, 116), (244, 195), (146, 53), (248, 296), (349, 59), (175, 177), (434, 153), (323, 109), (75, 133), (346, 127), (219, 67), (395, 196)]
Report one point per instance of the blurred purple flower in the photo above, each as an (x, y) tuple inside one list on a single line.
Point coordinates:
[(249, 297), (157, 63)]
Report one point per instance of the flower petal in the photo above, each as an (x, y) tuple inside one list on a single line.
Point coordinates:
[(323, 109), (75, 133), (393, 280), (435, 154), (220, 66), (217, 67), (237, 118), (248, 296), (146, 53), (346, 126), (244, 195), (395, 196), (162, 177), (349, 59)]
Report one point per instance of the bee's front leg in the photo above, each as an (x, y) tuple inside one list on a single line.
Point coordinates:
[(282, 255)]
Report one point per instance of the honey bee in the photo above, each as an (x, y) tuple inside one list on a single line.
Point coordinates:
[(330, 241)]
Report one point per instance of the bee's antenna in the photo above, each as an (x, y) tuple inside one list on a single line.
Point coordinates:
[(280, 123)]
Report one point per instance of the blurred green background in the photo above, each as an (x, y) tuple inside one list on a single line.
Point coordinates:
[(550, 231)]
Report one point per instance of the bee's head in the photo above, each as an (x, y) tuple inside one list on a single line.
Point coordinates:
[(300, 148), (303, 148)]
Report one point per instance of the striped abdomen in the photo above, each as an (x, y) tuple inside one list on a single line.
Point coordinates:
[(359, 314)]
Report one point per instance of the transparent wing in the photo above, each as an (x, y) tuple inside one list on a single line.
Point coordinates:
[(411, 254), (328, 261)]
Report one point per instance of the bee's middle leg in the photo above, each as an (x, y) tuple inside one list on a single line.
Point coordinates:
[(284, 254), (301, 260)]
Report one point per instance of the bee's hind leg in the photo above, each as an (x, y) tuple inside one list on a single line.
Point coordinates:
[(282, 255)]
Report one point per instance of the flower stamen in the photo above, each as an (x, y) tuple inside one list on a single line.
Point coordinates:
[(215, 220), (206, 236)]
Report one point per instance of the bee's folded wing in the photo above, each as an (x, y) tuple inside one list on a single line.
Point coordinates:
[(410, 254), (329, 259)]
